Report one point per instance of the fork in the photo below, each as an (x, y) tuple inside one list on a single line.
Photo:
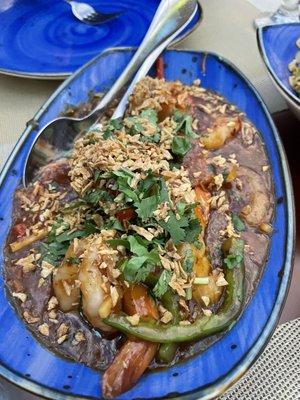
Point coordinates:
[(87, 14)]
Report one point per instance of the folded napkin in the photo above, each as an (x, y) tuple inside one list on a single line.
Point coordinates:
[(266, 5)]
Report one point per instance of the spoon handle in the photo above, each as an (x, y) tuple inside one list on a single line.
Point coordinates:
[(145, 67), (170, 16)]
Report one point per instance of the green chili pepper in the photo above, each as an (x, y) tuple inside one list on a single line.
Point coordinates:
[(170, 301), (204, 326), (167, 351)]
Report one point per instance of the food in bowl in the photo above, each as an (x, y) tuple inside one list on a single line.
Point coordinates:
[(294, 68), (144, 246)]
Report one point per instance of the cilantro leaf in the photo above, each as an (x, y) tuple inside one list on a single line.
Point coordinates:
[(180, 145), (135, 126), (188, 261), (193, 230), (112, 126), (162, 284), (73, 260), (131, 267), (175, 227), (142, 262), (68, 237), (143, 272), (123, 180), (114, 223), (150, 114), (147, 207), (55, 247), (136, 247), (118, 242), (164, 194), (123, 173), (184, 123), (152, 139), (236, 254), (181, 208), (238, 224), (153, 257), (93, 196), (145, 185), (136, 269)]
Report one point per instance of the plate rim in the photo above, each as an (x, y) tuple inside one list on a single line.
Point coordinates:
[(261, 46), (222, 384), (61, 76)]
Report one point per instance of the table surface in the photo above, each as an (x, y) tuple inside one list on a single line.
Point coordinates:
[(288, 127), (21, 98)]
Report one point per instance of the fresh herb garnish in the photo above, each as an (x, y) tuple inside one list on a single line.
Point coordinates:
[(142, 261), (236, 254), (94, 196), (55, 247), (136, 126), (113, 223), (111, 127), (147, 207), (180, 145), (73, 260), (175, 227), (185, 229), (188, 261), (238, 224), (162, 284), (193, 231), (150, 114), (184, 124)]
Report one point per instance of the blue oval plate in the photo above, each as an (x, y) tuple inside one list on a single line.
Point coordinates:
[(278, 48), (25, 362), (42, 38)]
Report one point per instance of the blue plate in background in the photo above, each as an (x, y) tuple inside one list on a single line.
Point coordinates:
[(278, 48), (24, 361), (42, 38)]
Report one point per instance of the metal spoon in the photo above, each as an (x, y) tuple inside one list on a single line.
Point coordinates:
[(58, 135), (87, 14)]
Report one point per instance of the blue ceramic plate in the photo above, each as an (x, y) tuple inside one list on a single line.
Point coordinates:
[(24, 361), (42, 39), (278, 48)]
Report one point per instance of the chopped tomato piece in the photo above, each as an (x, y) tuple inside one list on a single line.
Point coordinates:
[(137, 300), (125, 215), (160, 73), (19, 230)]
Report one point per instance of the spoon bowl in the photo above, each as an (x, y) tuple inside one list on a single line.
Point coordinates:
[(171, 17)]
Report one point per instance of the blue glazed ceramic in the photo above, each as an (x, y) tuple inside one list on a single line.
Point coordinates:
[(42, 39), (278, 48), (25, 362)]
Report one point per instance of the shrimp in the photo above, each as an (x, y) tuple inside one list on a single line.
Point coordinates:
[(202, 265), (222, 130), (259, 205), (135, 355), (65, 279), (92, 288), (128, 366)]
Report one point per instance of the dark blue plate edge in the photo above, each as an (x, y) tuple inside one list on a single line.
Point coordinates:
[(221, 385), (59, 76), (260, 41)]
